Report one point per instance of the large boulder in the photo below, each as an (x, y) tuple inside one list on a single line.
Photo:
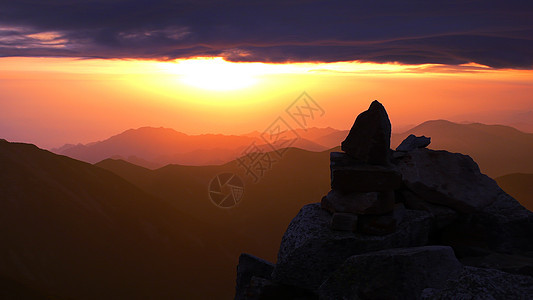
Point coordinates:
[(401, 273), (310, 251), (480, 283), (442, 216), (516, 264), (252, 274), (369, 137), (504, 226), (449, 179)]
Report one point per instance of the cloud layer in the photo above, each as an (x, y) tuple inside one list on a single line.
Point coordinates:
[(494, 33)]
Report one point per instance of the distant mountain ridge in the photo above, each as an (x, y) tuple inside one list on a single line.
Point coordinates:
[(156, 147), (498, 149)]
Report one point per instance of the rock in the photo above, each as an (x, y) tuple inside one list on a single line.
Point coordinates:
[(448, 179), (413, 142), (442, 216), (381, 224), (359, 203), (369, 137), (268, 290), (504, 226), (255, 288), (344, 222), (516, 264), (310, 251), (392, 274), (398, 154), (399, 212), (364, 178), (264, 289), (376, 224), (251, 266), (479, 283)]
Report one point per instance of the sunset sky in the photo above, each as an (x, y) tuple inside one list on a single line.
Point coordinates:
[(81, 71)]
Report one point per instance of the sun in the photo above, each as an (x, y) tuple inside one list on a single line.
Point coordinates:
[(214, 73)]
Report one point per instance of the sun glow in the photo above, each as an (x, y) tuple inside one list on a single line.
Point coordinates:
[(215, 73)]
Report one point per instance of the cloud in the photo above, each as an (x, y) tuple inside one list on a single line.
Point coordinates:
[(494, 33)]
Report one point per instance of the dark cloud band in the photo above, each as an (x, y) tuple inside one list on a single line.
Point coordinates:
[(494, 33)]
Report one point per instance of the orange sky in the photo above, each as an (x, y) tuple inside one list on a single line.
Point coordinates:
[(52, 101)]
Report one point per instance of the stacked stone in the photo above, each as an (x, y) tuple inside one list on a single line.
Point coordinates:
[(362, 197)]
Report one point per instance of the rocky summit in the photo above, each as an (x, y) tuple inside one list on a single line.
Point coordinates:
[(414, 223)]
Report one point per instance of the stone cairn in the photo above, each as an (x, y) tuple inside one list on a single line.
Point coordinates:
[(363, 181), (413, 223)]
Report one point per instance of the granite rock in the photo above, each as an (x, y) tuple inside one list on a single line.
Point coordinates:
[(369, 137)]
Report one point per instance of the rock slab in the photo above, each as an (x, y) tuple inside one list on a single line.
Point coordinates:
[(413, 142), (401, 273), (480, 283), (450, 179), (251, 267)]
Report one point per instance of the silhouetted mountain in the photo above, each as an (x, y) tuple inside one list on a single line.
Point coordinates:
[(498, 149), (521, 120), (156, 147), (75, 231), (312, 133), (267, 206), (520, 186), (333, 139)]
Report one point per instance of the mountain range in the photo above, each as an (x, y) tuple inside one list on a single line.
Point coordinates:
[(498, 149), (71, 230), (117, 229), (156, 147)]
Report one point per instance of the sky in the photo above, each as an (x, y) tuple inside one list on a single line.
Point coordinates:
[(81, 71)]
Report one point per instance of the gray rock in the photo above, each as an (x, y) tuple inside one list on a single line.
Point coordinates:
[(479, 283), (413, 142), (369, 137), (398, 154), (359, 203), (504, 226), (381, 224), (516, 264), (401, 273), (251, 266), (442, 216), (344, 222), (364, 178), (448, 179), (310, 251), (376, 224)]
